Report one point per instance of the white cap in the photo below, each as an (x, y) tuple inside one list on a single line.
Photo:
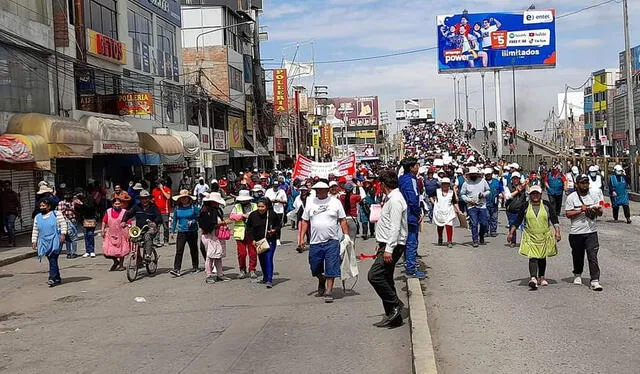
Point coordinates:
[(438, 162), (488, 171), (575, 170), (592, 169), (515, 166), (321, 185), (331, 184), (506, 167), (618, 168), (459, 171), (214, 181), (597, 167), (535, 188), (473, 170), (515, 175), (445, 180)]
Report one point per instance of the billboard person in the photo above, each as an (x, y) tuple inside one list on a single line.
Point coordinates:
[(487, 30)]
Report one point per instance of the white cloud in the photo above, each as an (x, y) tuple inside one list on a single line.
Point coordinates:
[(284, 10), (585, 43)]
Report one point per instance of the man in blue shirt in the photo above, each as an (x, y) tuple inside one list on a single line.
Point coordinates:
[(409, 190), (492, 201), (430, 188)]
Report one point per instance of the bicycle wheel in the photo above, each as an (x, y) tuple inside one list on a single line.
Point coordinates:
[(152, 264), (132, 267)]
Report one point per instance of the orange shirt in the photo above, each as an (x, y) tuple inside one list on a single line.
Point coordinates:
[(161, 202)]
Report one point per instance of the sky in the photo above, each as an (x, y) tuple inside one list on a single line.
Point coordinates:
[(313, 30)]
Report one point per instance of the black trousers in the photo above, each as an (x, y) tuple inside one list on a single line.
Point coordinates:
[(616, 212), (556, 203), (183, 238), (281, 219), (581, 243), (368, 228), (381, 278), (537, 267)]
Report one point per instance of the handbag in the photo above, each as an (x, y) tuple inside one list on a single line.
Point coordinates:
[(262, 245), (223, 232), (89, 223), (376, 210)]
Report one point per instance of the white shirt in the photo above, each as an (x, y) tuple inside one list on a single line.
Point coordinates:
[(595, 186), (582, 224), (392, 228), (486, 36), (323, 216), (276, 195), (200, 189)]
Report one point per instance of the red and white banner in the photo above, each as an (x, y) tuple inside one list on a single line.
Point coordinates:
[(280, 91), (306, 168)]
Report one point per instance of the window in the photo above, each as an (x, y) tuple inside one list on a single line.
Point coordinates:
[(171, 102), (24, 81), (231, 37), (235, 79), (166, 37), (97, 90), (101, 16), (139, 21)]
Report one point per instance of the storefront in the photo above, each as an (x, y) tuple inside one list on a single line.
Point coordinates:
[(163, 155), (69, 145), (114, 142), (241, 159)]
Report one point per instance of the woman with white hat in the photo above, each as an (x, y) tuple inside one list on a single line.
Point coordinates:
[(445, 206), (240, 213), (211, 220), (185, 222), (619, 193)]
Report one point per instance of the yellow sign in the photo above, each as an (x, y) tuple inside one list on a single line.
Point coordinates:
[(106, 48), (236, 132), (315, 132), (369, 134), (600, 83), (249, 115)]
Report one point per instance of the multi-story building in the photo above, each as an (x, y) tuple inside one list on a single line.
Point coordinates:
[(598, 109), (620, 121), (221, 49)]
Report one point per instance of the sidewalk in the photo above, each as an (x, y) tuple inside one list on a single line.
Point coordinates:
[(23, 250)]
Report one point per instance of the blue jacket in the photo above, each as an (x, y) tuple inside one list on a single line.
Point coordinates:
[(409, 190), (496, 188), (185, 219), (430, 187)]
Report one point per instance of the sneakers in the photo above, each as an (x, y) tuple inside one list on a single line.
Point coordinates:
[(85, 255), (210, 280), (418, 274), (543, 282), (533, 283), (93, 254), (475, 244), (482, 240), (242, 275), (253, 275), (328, 298), (223, 279), (449, 245), (278, 242), (175, 273), (577, 280), (595, 285), (269, 284)]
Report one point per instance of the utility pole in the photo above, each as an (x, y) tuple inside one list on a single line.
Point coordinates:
[(466, 99), (484, 109), (496, 77), (631, 110), (455, 99), (458, 97), (515, 107)]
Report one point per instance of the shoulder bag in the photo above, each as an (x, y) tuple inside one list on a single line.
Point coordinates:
[(262, 245)]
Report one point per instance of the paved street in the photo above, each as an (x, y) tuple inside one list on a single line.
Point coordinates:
[(484, 319), (91, 323)]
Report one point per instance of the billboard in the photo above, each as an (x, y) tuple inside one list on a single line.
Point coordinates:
[(416, 109), (359, 113), (635, 61), (280, 92), (496, 41)]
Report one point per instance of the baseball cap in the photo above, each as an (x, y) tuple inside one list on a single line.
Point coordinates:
[(582, 177), (537, 189), (515, 175)]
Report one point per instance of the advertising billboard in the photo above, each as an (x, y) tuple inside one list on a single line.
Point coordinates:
[(496, 41), (416, 109), (635, 61), (359, 113)]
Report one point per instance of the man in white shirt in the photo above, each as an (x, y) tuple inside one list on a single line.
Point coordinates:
[(278, 198), (200, 189), (391, 234), (326, 217)]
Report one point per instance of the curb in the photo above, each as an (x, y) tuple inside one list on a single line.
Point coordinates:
[(424, 360), (20, 257)]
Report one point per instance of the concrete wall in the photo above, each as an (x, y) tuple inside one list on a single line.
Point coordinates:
[(214, 64)]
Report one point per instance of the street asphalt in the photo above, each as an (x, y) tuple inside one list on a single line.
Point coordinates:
[(92, 323), (484, 318)]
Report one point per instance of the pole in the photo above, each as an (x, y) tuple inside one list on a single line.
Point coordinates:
[(484, 109), (458, 97), (295, 130), (455, 100), (199, 108), (344, 133), (593, 115), (466, 100), (496, 77), (515, 108), (631, 110)]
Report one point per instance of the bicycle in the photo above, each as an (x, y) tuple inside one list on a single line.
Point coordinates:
[(136, 259)]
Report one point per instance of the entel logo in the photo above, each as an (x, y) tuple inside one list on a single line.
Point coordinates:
[(538, 16)]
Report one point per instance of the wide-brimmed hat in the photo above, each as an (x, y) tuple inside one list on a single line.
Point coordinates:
[(320, 185), (44, 189), (137, 186), (144, 193), (243, 195), (215, 197), (515, 175), (445, 181), (183, 193)]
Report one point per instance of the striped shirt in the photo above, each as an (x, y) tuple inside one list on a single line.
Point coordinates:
[(62, 223)]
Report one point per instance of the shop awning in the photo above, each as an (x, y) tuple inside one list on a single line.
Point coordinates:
[(16, 148), (241, 152), (65, 137), (189, 142), (161, 144), (112, 136), (258, 148)]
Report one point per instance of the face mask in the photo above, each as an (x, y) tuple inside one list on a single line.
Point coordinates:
[(117, 209), (593, 173), (201, 182), (44, 210)]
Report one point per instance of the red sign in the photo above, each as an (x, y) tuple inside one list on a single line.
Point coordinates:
[(281, 145), (499, 39), (280, 91), (135, 104), (106, 47)]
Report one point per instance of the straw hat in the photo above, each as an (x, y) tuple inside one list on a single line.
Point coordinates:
[(215, 197), (183, 193), (243, 195)]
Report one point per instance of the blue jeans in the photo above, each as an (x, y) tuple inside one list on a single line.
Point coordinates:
[(513, 217), (54, 269), (70, 238), (430, 209), (478, 216), (411, 253), (10, 223), (492, 210), (266, 262), (90, 239)]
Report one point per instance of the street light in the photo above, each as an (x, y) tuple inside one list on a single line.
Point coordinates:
[(218, 29)]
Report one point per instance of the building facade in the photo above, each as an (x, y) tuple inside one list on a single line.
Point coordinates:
[(598, 110)]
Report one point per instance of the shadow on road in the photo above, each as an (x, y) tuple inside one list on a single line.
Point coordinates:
[(524, 282)]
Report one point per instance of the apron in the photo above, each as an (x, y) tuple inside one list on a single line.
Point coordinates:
[(443, 211), (621, 190), (116, 242), (48, 235), (537, 238)]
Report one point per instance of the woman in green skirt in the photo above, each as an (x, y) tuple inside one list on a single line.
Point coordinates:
[(540, 237)]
